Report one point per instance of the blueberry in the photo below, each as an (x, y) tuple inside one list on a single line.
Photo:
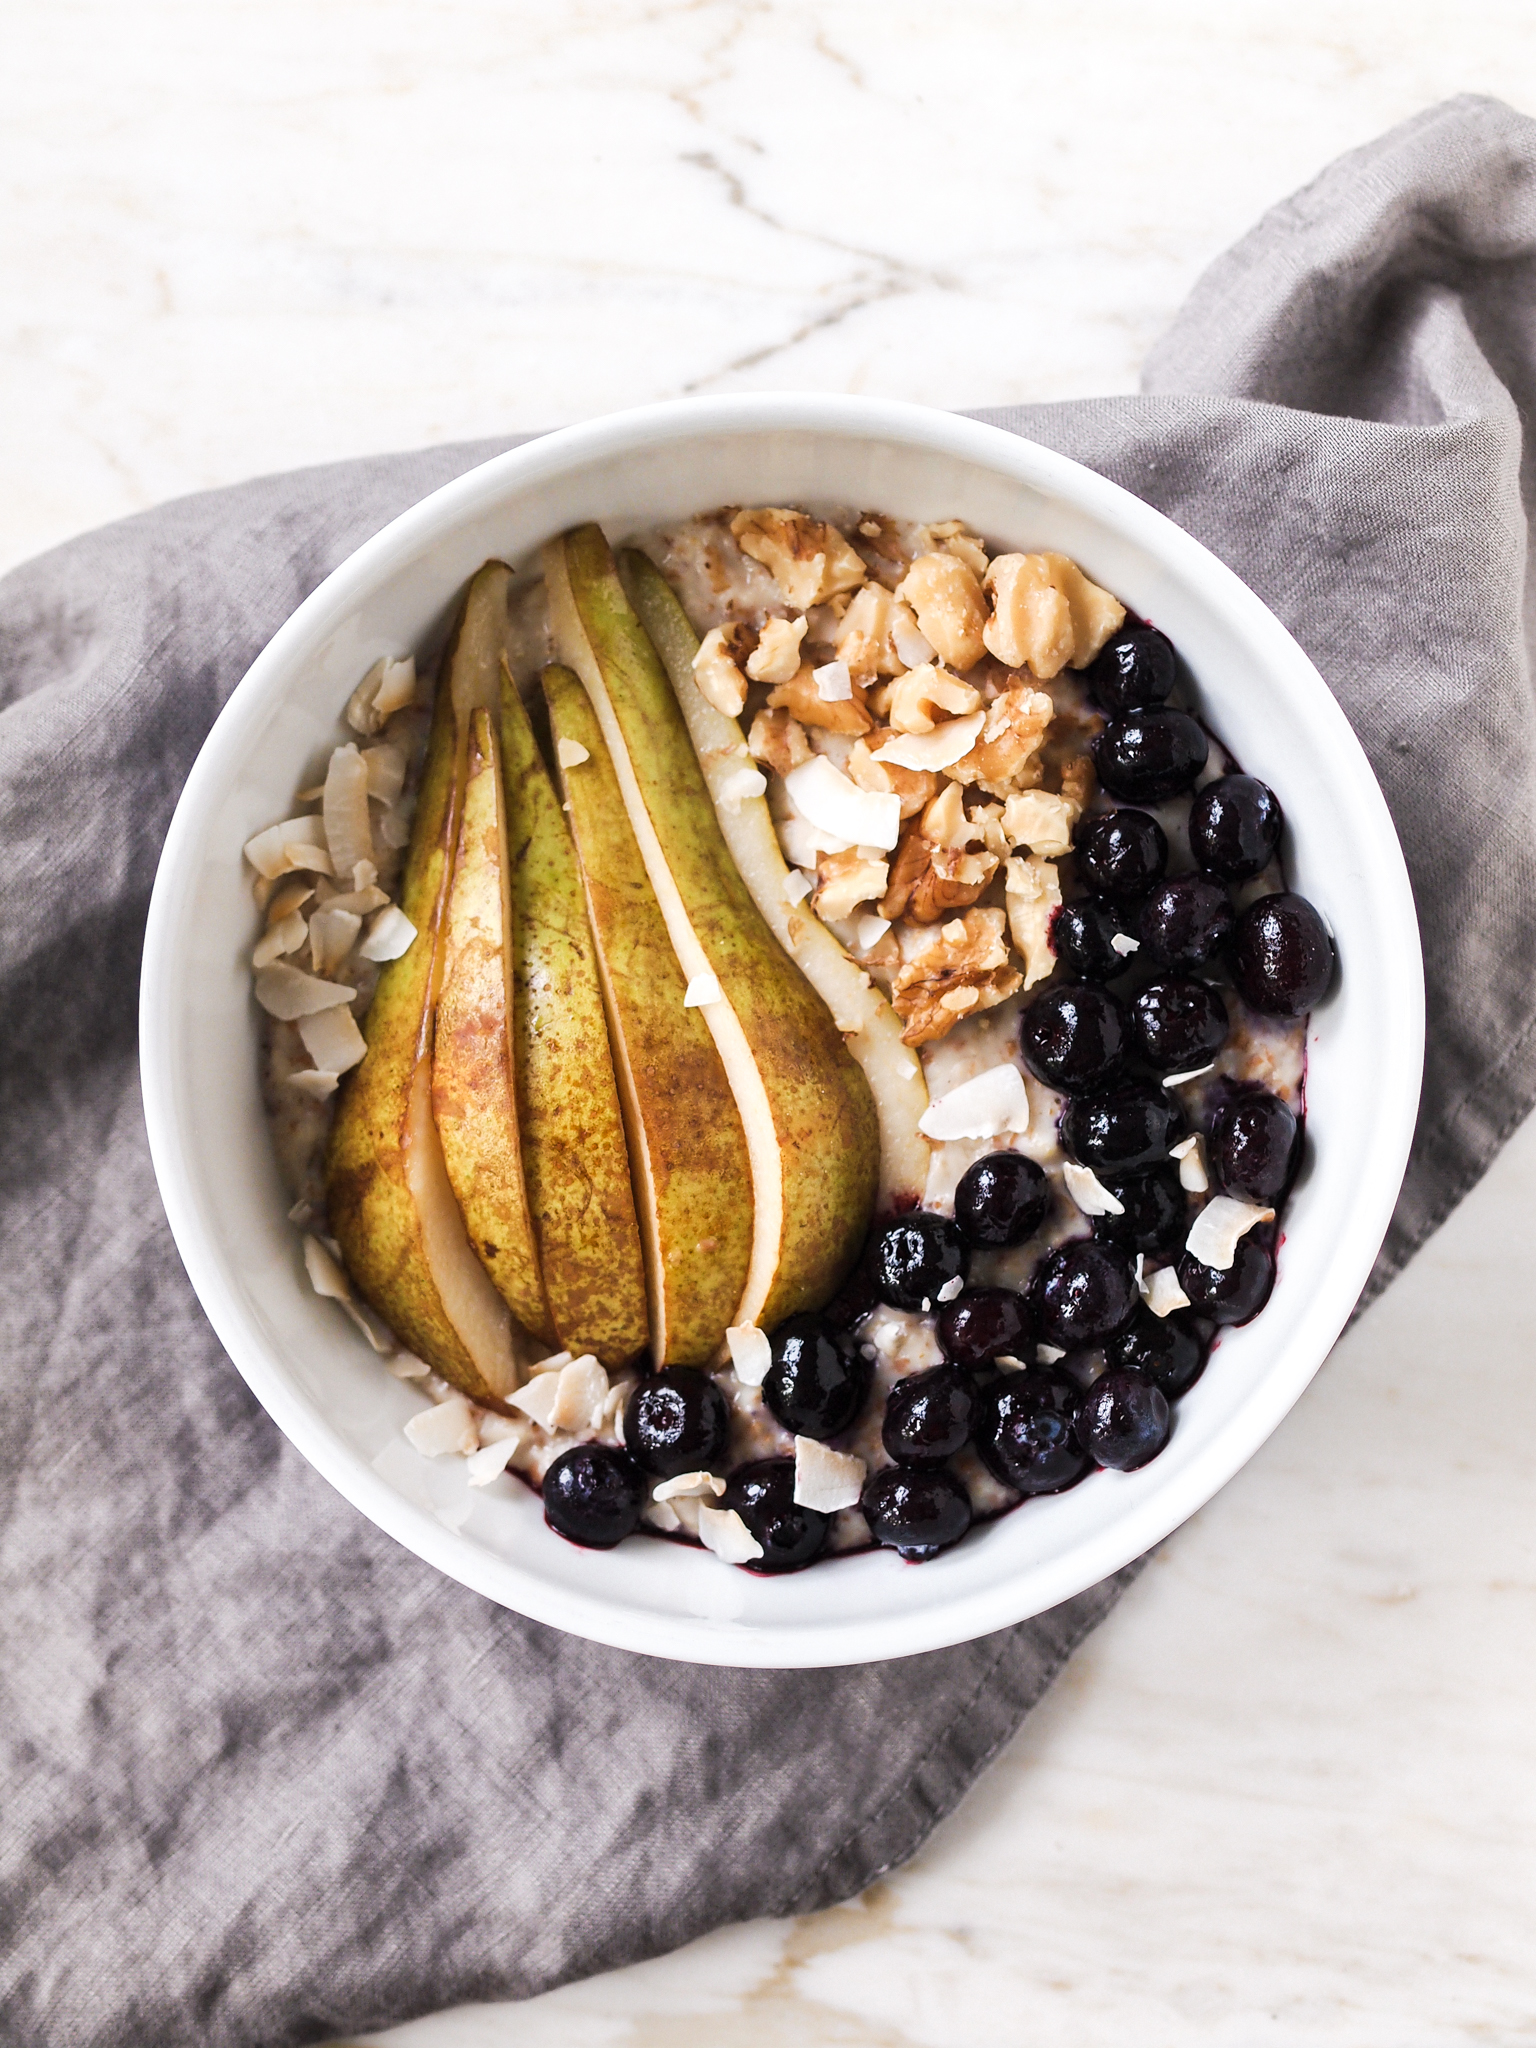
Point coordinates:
[(819, 1379), (1156, 1214), (1134, 668), (981, 1322), (929, 1416), (764, 1496), (1081, 935), (1149, 756), (1252, 1148), (917, 1255), (1002, 1199), (676, 1421), (915, 1511), (1185, 921), (1282, 956), (1122, 854), (1234, 826), (857, 1295), (1026, 1433), (1164, 1349), (593, 1496), (1124, 1132), (1073, 1037), (1236, 1295), (1178, 1024), (1124, 1420), (1083, 1293)]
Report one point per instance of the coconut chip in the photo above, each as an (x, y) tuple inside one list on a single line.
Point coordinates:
[(287, 897), (1162, 1293), (987, 1105), (390, 934), (570, 753), (1049, 1354), (330, 1282), (703, 990), (332, 1040), (751, 1353), (941, 748), (296, 843), (690, 1484), (386, 773), (1123, 944), (287, 992), (797, 886), (315, 1082), (492, 1459), (828, 801), (332, 933), (405, 1365), (348, 828), (724, 1532), (1089, 1192), (1214, 1234), (581, 1392), (1190, 1155), (449, 1427), (388, 687), (740, 786), (825, 1479), (286, 936)]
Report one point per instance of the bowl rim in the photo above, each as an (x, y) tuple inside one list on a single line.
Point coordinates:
[(980, 1611)]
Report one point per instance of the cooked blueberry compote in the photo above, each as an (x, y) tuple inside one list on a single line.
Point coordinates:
[(1063, 988), (917, 1511)]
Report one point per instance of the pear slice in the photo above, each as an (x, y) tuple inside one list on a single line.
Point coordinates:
[(390, 1203), (474, 1092), (870, 1026), (575, 1159), (688, 1154), (805, 1106)]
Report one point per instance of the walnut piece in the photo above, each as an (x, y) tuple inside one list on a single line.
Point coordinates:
[(914, 786), (1006, 755), (1033, 892), (716, 672), (950, 608), (1042, 822), (1046, 614), (778, 741), (808, 558), (908, 863), (776, 656), (845, 881), (951, 881), (864, 640), (945, 822), (962, 970), (912, 699), (803, 700)]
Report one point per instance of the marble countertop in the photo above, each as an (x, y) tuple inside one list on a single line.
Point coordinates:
[(1289, 1789)]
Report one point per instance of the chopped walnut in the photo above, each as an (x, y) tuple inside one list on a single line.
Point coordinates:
[(865, 639), (846, 881), (945, 822), (970, 551), (911, 700), (1040, 821), (808, 558), (885, 548), (962, 969), (716, 668), (1005, 756), (776, 656), (914, 786), (801, 697), (950, 608), (1033, 892), (908, 862), (778, 741), (951, 881), (1047, 614)]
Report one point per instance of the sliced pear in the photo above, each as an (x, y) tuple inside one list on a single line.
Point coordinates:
[(390, 1203), (810, 1123), (688, 1154), (474, 1092), (868, 1023), (575, 1158)]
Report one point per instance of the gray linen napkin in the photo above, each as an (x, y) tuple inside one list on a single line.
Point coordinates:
[(265, 1778)]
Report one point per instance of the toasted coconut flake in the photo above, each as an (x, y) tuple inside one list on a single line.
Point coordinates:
[(390, 934), (486, 1465), (332, 1040), (1123, 944), (703, 990), (386, 773), (913, 647), (776, 657), (825, 1479), (581, 1391), (286, 898), (397, 687), (986, 1106), (797, 886), (663, 1516), (361, 902), (869, 931), (286, 936), (537, 1400), (941, 748), (1162, 1293), (724, 1532), (740, 786), (394, 828), (834, 684), (571, 753), (1191, 1157), (751, 1354), (296, 843), (951, 1288), (360, 714), (445, 1430), (405, 1365), (1048, 1354), (689, 1486), (1089, 1192), (348, 828), (287, 992), (1191, 1074), (332, 933), (826, 799), (315, 1082), (1214, 1234)]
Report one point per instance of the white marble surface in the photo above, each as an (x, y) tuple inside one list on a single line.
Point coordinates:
[(1288, 1792)]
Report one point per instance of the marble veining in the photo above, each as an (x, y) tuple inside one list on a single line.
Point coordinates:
[(1288, 1791)]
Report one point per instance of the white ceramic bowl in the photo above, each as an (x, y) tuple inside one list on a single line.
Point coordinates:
[(214, 1161)]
